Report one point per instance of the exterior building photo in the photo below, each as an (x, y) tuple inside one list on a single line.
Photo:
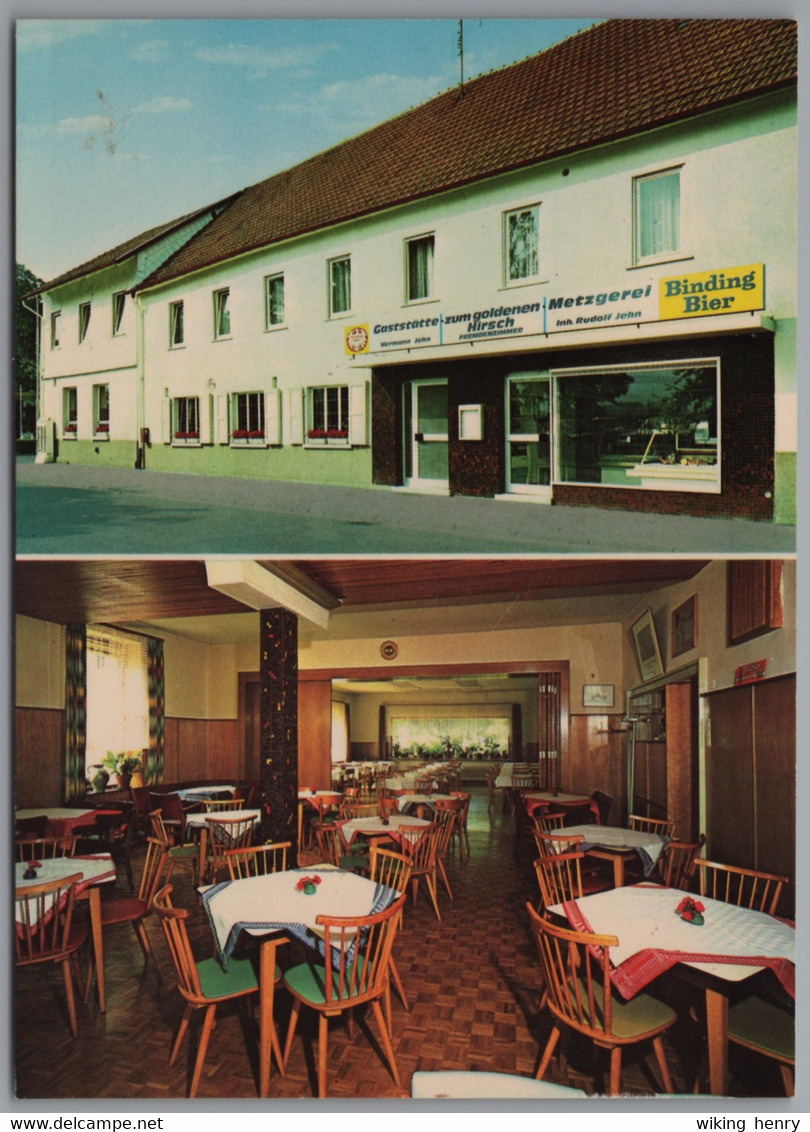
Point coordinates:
[(570, 281)]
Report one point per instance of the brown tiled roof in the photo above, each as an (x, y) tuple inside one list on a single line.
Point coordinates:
[(123, 251), (613, 80)]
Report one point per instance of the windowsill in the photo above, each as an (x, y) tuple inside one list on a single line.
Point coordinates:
[(223, 338), (654, 261), (239, 443), (420, 302), (515, 284), (69, 436), (186, 443), (101, 436), (327, 442), (276, 326), (336, 316), (177, 345)]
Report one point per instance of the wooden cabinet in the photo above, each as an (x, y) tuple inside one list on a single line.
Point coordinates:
[(665, 762), (750, 775)]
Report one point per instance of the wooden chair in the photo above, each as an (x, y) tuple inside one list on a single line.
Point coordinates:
[(545, 822), (187, 852), (333, 852), (604, 802), (225, 834), (112, 833), (44, 848), (326, 810), (354, 809), (174, 816), (388, 807), (747, 888), (345, 983), (420, 844), (490, 776), (463, 835), (662, 826), (203, 983), (214, 805), (559, 877), (135, 909), (394, 871), (446, 817), (576, 968), (45, 931), (140, 800), (257, 860), (423, 784), (759, 1025), (678, 864)]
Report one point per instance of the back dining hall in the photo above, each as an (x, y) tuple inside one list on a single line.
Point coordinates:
[(551, 802)]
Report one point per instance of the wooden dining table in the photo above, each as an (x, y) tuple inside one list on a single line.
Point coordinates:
[(62, 821), (273, 906), (618, 845), (377, 827), (95, 871), (554, 800), (730, 946), (198, 823)]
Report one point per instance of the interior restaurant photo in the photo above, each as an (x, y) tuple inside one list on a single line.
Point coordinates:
[(404, 828)]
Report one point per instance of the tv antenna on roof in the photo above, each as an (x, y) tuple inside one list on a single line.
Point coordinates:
[(461, 57)]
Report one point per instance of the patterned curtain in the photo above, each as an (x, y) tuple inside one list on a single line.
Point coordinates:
[(154, 758), (75, 709)]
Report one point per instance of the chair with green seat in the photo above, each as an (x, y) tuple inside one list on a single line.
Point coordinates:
[(346, 981), (203, 983), (187, 852), (764, 1027), (576, 967), (334, 853)]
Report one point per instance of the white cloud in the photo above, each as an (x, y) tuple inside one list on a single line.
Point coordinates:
[(261, 61), (368, 100), (35, 34), (151, 51), (163, 105), (84, 125)]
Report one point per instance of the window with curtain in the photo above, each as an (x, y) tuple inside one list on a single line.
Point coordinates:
[(441, 731), (340, 285), (274, 300), (419, 265), (117, 705), (222, 313), (657, 214), (522, 244)]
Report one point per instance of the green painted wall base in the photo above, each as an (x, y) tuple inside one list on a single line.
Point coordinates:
[(785, 488), (344, 467), (102, 454)]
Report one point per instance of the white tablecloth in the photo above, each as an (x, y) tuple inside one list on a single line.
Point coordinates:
[(648, 846), (98, 869), (374, 827), (273, 903), (223, 815)]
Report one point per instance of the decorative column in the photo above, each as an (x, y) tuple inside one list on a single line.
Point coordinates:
[(278, 709)]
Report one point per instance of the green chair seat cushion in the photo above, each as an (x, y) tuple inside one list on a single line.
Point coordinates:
[(238, 978), (308, 982), (640, 1015), (763, 1025), (353, 861), (178, 851)]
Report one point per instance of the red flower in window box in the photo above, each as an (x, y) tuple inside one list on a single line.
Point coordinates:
[(317, 434), (337, 434), (70, 428), (240, 434), (102, 428), (187, 436), (256, 434)]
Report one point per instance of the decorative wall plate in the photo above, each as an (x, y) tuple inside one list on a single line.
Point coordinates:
[(389, 650)]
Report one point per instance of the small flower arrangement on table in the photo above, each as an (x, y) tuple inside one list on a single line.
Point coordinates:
[(691, 910), (308, 885)]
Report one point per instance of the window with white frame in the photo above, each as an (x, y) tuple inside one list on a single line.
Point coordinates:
[(657, 214), (419, 268), (340, 285), (521, 238), (222, 313), (651, 426), (274, 301), (119, 301), (70, 412), (328, 413), (247, 415), (186, 420), (101, 411), (56, 328), (117, 689), (177, 332), (84, 320)]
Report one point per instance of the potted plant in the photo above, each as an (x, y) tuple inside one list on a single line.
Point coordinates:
[(99, 778), (122, 764)]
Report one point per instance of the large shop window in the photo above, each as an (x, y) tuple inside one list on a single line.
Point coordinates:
[(652, 427), (328, 414), (657, 214), (443, 731), (186, 421), (117, 694), (419, 268), (247, 414), (522, 244)]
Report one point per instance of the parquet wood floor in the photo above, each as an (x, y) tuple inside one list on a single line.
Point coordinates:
[(472, 979)]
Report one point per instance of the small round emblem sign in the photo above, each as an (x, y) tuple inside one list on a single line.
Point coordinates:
[(356, 339), (388, 650)]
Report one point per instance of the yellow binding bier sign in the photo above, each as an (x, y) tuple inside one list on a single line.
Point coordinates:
[(725, 291)]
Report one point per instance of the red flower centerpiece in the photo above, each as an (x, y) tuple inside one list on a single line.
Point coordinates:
[(691, 910), (308, 885)]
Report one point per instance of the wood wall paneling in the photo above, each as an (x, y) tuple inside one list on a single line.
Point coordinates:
[(596, 760), (315, 733), (729, 781), (38, 746), (775, 775)]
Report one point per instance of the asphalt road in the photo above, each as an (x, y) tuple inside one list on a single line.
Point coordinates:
[(74, 510)]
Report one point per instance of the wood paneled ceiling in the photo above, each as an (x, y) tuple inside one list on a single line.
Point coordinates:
[(107, 590)]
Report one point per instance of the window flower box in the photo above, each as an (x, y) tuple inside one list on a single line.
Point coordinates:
[(331, 437), (101, 432), (69, 432), (189, 439), (247, 438)]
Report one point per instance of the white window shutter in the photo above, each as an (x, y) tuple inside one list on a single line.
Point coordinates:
[(296, 416), (166, 421), (358, 429), (223, 432), (207, 422), (272, 416)]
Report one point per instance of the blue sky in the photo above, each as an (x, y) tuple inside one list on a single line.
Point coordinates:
[(124, 123)]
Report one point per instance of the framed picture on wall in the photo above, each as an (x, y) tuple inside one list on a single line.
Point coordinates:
[(597, 695), (684, 627), (648, 654)]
